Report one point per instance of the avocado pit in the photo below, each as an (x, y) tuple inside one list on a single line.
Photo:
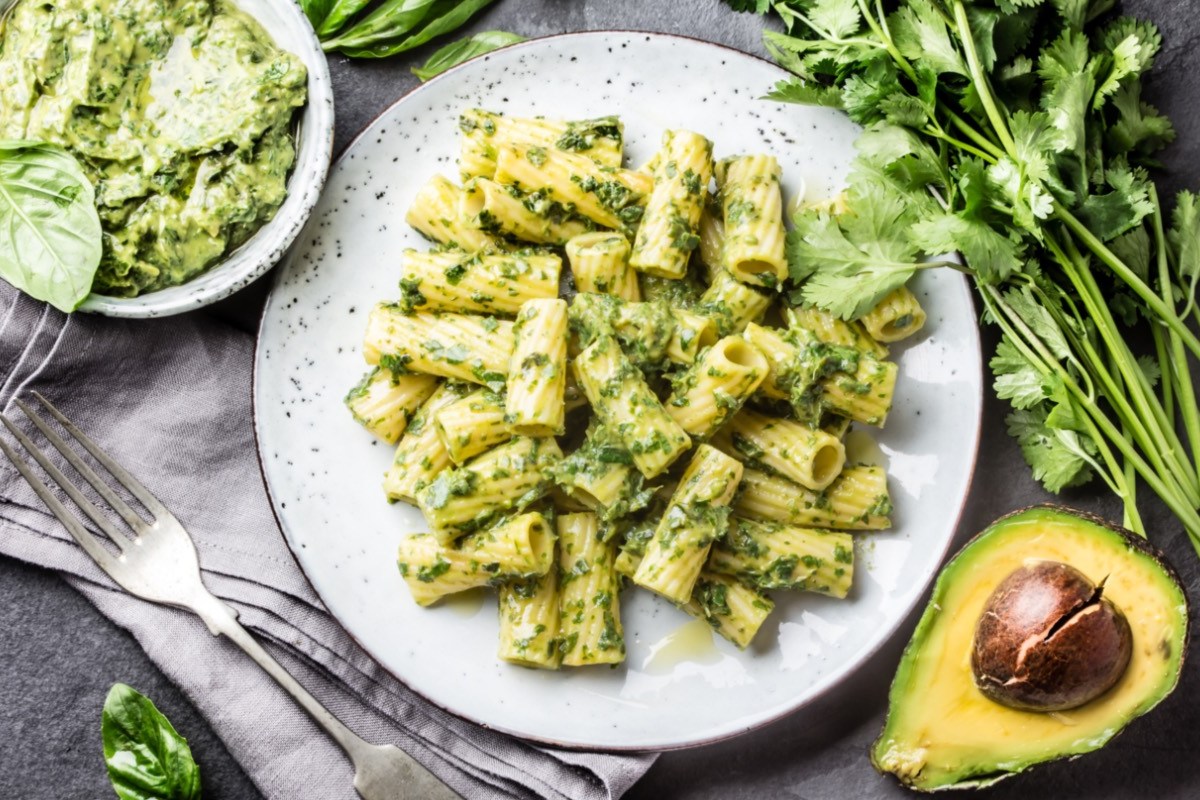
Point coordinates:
[(1048, 640)]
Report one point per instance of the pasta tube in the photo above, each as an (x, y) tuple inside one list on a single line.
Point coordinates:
[(600, 263), (773, 556), (384, 402), (472, 425), (733, 609), (866, 394), (857, 500), (715, 387), (831, 330), (611, 197), (753, 214), (495, 283), (601, 476), (522, 546), (712, 238), (457, 346), (622, 400), (589, 607), (505, 478), (501, 210), (731, 304), (816, 377), (484, 132), (670, 227), (807, 456), (649, 333), (529, 621), (420, 455), (537, 372), (695, 517), (436, 213), (895, 317)]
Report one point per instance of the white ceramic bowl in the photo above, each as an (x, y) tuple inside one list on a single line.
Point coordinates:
[(290, 29)]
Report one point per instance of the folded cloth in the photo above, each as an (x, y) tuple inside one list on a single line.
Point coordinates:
[(170, 399)]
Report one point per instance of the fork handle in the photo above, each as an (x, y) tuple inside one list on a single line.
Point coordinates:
[(418, 781)]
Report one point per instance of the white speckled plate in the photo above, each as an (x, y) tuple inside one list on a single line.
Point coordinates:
[(324, 471)]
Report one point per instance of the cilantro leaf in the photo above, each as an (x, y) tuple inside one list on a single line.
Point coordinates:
[(1118, 211), (919, 31), (1184, 237), (1059, 458), (1016, 380), (795, 90)]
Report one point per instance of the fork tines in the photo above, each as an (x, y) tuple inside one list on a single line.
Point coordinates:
[(74, 526)]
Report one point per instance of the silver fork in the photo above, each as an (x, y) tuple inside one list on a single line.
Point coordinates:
[(157, 562)]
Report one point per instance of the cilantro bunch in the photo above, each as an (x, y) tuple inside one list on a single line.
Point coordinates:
[(1014, 133)]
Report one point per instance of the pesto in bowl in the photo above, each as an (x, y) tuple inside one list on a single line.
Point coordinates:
[(181, 113)]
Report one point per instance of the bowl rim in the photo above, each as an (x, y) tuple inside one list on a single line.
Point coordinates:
[(266, 248)]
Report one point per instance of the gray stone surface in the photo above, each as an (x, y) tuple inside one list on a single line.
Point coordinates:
[(58, 656)]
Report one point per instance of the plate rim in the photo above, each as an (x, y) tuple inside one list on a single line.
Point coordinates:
[(961, 282)]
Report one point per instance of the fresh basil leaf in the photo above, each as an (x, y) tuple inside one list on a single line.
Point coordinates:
[(339, 14), (50, 238), (147, 759), (316, 11), (391, 19), (446, 16), (456, 53)]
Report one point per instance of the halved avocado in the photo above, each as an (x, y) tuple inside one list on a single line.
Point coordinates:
[(943, 733)]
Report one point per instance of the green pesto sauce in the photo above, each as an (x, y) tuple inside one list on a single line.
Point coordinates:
[(179, 111)]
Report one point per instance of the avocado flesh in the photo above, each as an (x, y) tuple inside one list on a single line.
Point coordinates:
[(943, 733)]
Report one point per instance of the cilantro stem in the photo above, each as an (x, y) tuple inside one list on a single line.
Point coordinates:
[(939, 133), (1163, 310), (885, 37), (1148, 421), (1175, 370), (969, 130), (1026, 340), (980, 79)]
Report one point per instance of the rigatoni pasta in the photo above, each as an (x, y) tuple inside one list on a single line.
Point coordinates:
[(600, 263), (537, 373), (670, 226), (436, 213), (589, 623), (622, 400), (489, 283), (695, 517), (520, 547), (896, 317), (529, 621), (506, 211), (421, 455), (858, 500), (506, 478), (457, 346), (484, 132), (705, 457), (773, 556), (611, 197), (384, 402), (808, 456), (712, 390), (752, 203), (472, 424)]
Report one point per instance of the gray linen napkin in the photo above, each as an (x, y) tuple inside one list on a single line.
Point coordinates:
[(170, 399)]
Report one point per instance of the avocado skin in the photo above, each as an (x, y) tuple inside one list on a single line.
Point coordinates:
[(983, 778)]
